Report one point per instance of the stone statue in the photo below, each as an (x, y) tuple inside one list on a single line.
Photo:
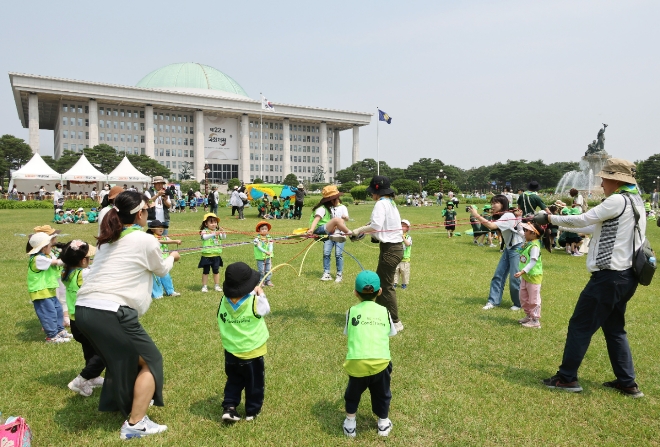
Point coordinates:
[(597, 146), (319, 176)]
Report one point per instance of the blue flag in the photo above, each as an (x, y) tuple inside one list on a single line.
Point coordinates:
[(383, 116)]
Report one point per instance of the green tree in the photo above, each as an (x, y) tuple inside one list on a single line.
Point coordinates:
[(362, 171), (149, 166), (346, 187), (50, 161), (257, 180), (648, 172), (14, 153), (103, 157), (185, 170), (359, 192), (233, 182), (291, 180), (66, 161), (405, 186), (433, 186)]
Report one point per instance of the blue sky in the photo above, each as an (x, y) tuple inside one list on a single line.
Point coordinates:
[(468, 82)]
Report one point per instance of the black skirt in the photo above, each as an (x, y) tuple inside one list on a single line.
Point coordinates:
[(120, 340), (214, 262)]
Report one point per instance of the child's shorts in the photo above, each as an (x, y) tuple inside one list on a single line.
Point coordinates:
[(210, 263), (450, 227), (320, 230)]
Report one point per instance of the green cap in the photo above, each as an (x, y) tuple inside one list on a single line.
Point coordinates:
[(367, 278)]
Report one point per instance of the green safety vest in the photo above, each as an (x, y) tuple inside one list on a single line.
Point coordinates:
[(258, 254), (164, 247), (241, 329), (72, 282), (368, 332), (324, 220), (211, 247), (406, 249), (41, 280), (535, 275)]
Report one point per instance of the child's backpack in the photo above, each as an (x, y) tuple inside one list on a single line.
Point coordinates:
[(16, 433)]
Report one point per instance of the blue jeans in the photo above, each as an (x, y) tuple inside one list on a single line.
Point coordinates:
[(264, 267), (51, 317), (508, 263), (162, 286), (339, 255)]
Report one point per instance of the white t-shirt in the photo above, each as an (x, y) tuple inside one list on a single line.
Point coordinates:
[(386, 221), (611, 223), (58, 197), (508, 225), (509, 197), (339, 211)]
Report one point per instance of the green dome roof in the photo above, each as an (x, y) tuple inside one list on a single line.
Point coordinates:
[(190, 75)]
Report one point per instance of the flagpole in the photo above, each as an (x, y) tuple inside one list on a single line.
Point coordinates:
[(377, 144), (261, 139)]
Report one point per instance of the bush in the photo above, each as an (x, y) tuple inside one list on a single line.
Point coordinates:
[(233, 182), (406, 186), (346, 187), (359, 192), (85, 203), (29, 204)]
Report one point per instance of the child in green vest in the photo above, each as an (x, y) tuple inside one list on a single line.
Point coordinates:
[(162, 285), (368, 361), (211, 250), (450, 219), (92, 216), (244, 335), (531, 270), (274, 205), (76, 258), (263, 251), (42, 281), (285, 207), (59, 217), (321, 221), (403, 269)]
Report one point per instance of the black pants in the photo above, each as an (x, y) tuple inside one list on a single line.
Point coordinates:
[(94, 365), (244, 374), (297, 210), (390, 256), (602, 304), (379, 388)]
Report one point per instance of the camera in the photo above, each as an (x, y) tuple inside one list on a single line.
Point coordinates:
[(468, 208)]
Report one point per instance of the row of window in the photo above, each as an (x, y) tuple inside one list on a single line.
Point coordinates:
[(280, 136), (121, 137), (120, 112), (73, 108), (273, 168), (121, 125), (72, 121), (173, 153), (175, 129), (166, 117), (292, 127), (72, 134), (80, 147)]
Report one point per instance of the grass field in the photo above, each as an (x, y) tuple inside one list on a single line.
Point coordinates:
[(462, 376)]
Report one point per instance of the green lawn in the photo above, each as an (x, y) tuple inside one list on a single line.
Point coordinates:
[(462, 376)]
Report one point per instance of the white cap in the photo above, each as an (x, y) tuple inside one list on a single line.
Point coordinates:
[(405, 221)]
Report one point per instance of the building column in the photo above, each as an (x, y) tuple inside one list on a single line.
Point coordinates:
[(324, 150), (33, 120), (93, 123), (287, 149), (244, 162), (149, 131), (337, 152), (199, 146), (356, 144)]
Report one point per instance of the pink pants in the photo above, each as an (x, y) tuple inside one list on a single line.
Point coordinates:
[(530, 298)]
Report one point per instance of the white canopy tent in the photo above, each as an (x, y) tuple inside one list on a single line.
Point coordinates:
[(82, 176), (33, 175), (126, 173)]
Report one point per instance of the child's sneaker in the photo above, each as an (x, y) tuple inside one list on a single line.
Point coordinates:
[(326, 277), (515, 308), (174, 294), (96, 382), (404, 286), (80, 386), (488, 306), (395, 285), (250, 417), (145, 427), (350, 427), (159, 297), (384, 427), (492, 245), (230, 415), (524, 320), (337, 238), (218, 288), (533, 323), (269, 284), (398, 326), (338, 278), (65, 334), (56, 339), (205, 289)]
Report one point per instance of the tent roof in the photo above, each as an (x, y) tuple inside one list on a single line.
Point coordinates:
[(36, 168), (83, 171), (125, 171)]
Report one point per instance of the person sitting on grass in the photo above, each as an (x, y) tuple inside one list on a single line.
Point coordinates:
[(368, 360), (321, 221), (244, 335), (59, 217), (92, 216)]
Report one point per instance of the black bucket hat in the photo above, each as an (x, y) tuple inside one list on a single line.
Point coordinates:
[(533, 186), (158, 224), (240, 280), (380, 185)]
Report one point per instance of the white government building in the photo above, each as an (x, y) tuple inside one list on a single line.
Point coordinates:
[(191, 113)]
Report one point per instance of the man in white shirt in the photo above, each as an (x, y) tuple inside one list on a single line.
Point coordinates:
[(602, 303), (159, 203), (58, 196)]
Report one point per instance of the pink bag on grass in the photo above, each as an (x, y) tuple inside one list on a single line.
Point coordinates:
[(15, 434)]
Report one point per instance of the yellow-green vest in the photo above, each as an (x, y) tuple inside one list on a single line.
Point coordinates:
[(38, 280), (242, 330), (368, 332)]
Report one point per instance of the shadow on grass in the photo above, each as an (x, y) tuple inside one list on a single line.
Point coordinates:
[(526, 377), (211, 409), (330, 415), (502, 319), (472, 301), (81, 414), (30, 330), (59, 379), (338, 319)]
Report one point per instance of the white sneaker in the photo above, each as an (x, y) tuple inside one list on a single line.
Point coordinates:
[(384, 427), (492, 245), (338, 278), (65, 334), (205, 289), (488, 306), (96, 382), (145, 427), (398, 326), (514, 308), (326, 277), (80, 386), (175, 294), (350, 429), (218, 288), (337, 238)]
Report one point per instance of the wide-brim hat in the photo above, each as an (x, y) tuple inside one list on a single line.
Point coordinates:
[(330, 193), (207, 215), (533, 186), (619, 169), (240, 280), (450, 203), (380, 185), (46, 229), (158, 224), (487, 207), (114, 192), (39, 241), (158, 179), (261, 224), (301, 186), (405, 221), (530, 227), (81, 209), (559, 203)]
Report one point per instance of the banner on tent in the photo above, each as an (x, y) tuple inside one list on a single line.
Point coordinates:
[(221, 138)]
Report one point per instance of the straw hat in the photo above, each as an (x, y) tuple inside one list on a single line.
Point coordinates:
[(330, 193), (619, 169), (158, 179), (39, 241), (46, 229), (114, 192), (261, 224)]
